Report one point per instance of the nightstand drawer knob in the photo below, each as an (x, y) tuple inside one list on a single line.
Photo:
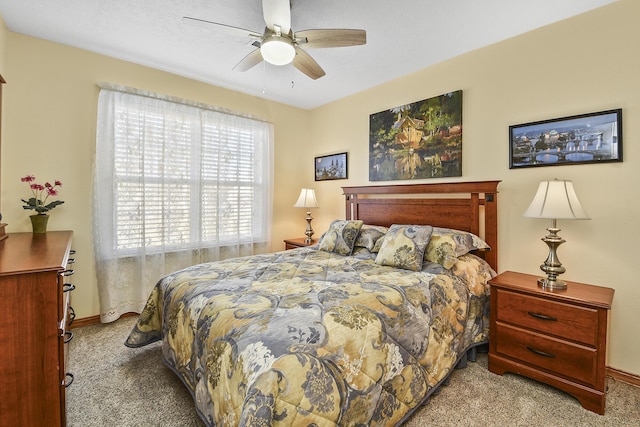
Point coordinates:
[(540, 353), (541, 316)]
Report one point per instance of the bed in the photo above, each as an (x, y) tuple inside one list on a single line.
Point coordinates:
[(335, 334)]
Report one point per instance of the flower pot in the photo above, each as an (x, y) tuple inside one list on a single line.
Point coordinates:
[(39, 223)]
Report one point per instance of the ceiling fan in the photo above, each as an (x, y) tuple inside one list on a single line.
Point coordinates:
[(280, 45)]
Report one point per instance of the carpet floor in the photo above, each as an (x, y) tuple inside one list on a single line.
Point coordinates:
[(118, 386)]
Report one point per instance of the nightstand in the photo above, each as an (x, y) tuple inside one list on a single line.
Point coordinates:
[(297, 243), (556, 337)]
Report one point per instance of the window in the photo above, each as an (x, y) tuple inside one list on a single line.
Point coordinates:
[(173, 177)]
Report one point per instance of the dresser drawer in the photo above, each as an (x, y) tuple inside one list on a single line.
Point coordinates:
[(66, 335), (576, 323), (563, 358)]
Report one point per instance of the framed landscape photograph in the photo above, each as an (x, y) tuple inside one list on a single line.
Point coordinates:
[(418, 140), (585, 138), (333, 166)]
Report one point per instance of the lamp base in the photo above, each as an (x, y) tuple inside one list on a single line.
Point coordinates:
[(552, 265), (551, 285), (309, 231)]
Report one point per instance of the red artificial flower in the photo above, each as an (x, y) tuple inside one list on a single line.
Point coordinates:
[(38, 201)]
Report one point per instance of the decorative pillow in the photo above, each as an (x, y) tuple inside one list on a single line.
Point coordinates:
[(370, 235), (446, 245), (403, 246), (341, 236), (377, 246)]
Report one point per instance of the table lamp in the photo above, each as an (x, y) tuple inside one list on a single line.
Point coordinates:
[(554, 200), (307, 199)]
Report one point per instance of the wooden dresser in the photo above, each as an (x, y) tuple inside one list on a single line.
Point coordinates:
[(558, 337), (34, 314)]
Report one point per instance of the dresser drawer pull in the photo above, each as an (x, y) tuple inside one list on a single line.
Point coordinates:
[(540, 353), (541, 316), (68, 336), (66, 383), (68, 287), (72, 315), (67, 273), (71, 261)]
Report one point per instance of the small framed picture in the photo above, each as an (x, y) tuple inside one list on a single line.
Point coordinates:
[(585, 138), (333, 166)]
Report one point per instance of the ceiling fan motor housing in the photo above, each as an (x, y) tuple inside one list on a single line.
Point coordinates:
[(277, 49)]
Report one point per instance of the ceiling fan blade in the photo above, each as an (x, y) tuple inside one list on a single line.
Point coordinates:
[(307, 65), (331, 38), (231, 30), (277, 12), (249, 61)]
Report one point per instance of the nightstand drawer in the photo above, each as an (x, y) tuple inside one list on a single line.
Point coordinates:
[(562, 358), (572, 322)]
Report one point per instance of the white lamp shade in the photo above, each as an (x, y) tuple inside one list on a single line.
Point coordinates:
[(307, 199), (556, 200), (277, 50)]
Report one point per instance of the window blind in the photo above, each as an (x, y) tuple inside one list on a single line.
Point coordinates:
[(186, 177)]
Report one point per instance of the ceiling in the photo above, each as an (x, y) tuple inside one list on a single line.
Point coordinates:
[(403, 36)]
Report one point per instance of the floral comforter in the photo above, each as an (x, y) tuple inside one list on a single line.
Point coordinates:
[(307, 337)]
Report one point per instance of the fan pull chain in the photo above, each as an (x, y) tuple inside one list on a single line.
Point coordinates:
[(264, 77), (292, 82)]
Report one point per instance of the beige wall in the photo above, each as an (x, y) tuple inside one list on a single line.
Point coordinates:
[(585, 64), (3, 43), (581, 65)]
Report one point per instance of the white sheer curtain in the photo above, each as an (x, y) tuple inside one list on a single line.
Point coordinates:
[(175, 184)]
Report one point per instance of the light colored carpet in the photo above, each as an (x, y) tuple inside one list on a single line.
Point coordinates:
[(118, 386)]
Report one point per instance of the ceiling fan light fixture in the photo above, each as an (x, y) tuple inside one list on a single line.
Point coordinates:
[(277, 50)]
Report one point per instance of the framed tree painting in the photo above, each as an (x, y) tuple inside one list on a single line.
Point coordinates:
[(417, 141)]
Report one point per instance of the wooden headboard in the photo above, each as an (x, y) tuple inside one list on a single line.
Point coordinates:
[(467, 206)]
